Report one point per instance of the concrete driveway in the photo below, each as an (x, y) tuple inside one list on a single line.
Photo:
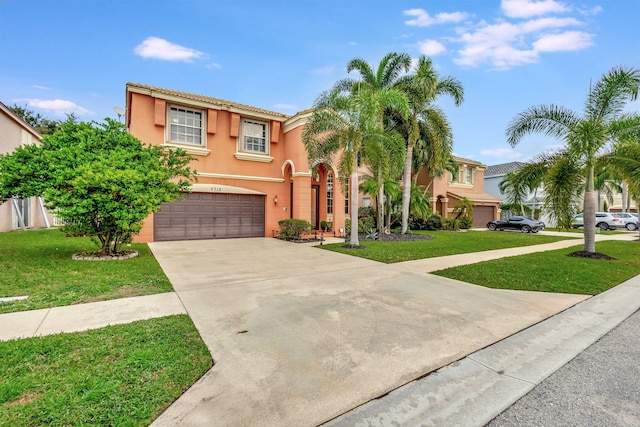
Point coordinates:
[(300, 335)]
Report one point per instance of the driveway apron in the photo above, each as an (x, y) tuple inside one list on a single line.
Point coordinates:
[(301, 335)]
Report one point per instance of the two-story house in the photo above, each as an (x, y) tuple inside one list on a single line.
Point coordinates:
[(252, 168), (448, 190), (18, 214)]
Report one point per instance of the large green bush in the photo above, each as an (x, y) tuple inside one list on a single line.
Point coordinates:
[(433, 222), (294, 229)]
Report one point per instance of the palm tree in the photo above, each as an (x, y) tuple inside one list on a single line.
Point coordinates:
[(514, 190), (426, 123), (348, 124), (585, 136), (380, 81), (518, 184)]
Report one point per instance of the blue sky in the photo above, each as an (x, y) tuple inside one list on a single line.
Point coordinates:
[(62, 56)]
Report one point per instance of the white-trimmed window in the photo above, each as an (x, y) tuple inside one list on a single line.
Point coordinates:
[(185, 126), (255, 137), (329, 192), (468, 175)]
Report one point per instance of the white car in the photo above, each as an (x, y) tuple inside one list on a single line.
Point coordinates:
[(630, 220), (604, 221)]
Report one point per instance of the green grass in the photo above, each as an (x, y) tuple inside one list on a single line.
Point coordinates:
[(553, 271), (38, 264), (443, 243), (123, 375)]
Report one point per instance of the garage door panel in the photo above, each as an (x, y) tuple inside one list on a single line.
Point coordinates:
[(211, 216), (482, 215)]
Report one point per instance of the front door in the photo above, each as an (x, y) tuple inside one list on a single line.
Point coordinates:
[(315, 203)]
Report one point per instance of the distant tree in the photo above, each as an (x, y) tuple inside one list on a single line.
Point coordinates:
[(101, 180), (42, 125)]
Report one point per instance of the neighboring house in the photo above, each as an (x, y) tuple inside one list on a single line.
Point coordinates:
[(617, 202), (448, 190), (252, 167), (18, 214), (494, 174)]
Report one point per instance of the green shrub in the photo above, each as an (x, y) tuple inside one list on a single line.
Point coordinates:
[(365, 225), (466, 223), (433, 222), (326, 225), (293, 229), (451, 224)]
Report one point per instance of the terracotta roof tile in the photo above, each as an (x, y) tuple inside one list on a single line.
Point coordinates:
[(207, 99)]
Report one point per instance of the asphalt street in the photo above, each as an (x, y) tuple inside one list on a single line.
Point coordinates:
[(599, 387)]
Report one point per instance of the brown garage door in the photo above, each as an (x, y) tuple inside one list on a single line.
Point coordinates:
[(482, 215), (210, 216)]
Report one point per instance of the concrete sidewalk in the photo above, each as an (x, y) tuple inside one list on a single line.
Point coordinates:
[(82, 317)]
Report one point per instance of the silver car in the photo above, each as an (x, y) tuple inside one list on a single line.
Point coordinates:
[(630, 221), (604, 221)]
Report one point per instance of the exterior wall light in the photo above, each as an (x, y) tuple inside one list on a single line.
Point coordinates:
[(275, 199)]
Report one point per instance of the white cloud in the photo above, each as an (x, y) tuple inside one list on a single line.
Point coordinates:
[(504, 153), (529, 8), (57, 106), (154, 47), (423, 19), (431, 47), (352, 44), (504, 45), (593, 11), (41, 87), (569, 40), (213, 65)]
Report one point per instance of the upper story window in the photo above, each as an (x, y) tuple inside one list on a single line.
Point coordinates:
[(330, 192), (254, 137), (465, 176), (468, 175), (186, 126)]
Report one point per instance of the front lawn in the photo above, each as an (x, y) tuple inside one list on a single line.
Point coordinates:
[(443, 243), (553, 271), (123, 375), (38, 264)]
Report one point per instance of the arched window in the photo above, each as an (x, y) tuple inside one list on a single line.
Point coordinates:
[(329, 192)]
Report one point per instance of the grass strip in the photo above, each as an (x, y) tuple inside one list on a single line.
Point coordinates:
[(123, 375), (554, 271), (443, 243), (38, 263)]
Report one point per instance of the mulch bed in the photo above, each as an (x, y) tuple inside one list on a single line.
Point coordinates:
[(590, 255)]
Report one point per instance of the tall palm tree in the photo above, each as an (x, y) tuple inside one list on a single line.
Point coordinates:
[(584, 135), (427, 122), (379, 84), (384, 153), (347, 124)]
